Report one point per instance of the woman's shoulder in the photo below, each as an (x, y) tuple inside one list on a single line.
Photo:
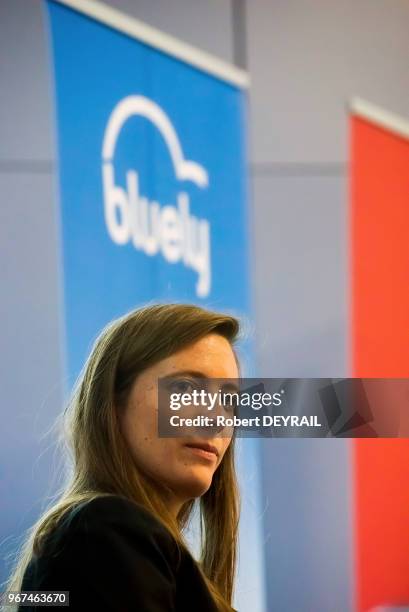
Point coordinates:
[(120, 553), (104, 509), (107, 530), (109, 518), (110, 553), (105, 513)]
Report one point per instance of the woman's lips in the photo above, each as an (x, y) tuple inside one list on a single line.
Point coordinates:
[(207, 452)]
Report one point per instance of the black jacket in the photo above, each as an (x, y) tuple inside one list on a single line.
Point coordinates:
[(114, 556)]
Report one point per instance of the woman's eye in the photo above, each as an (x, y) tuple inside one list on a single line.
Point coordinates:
[(227, 404), (229, 401), (183, 386)]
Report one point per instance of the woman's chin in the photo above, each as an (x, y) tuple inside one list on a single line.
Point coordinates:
[(194, 485)]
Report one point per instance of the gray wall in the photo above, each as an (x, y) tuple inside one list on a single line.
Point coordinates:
[(306, 60), (30, 373)]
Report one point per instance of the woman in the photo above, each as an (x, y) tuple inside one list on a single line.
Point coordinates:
[(114, 539)]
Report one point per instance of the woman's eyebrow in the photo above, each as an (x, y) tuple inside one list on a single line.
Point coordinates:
[(196, 373), (228, 386)]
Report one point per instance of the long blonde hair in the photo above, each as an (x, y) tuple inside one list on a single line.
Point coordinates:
[(101, 460)]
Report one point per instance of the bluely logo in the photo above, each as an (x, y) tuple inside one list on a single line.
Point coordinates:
[(153, 228)]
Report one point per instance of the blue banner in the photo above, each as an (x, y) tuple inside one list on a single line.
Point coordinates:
[(152, 178)]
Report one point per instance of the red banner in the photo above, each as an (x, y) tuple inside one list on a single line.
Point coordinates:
[(379, 217)]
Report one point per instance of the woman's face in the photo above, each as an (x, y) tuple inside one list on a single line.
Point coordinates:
[(185, 470)]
